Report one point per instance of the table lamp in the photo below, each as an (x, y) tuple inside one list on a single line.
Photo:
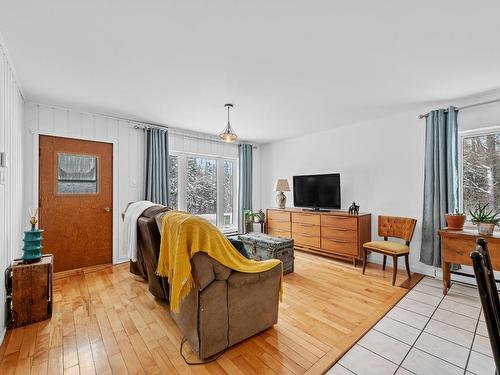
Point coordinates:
[(281, 185)]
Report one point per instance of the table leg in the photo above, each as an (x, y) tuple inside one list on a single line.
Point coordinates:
[(446, 277)]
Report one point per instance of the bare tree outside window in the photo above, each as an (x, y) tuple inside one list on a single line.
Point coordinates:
[(481, 171), (173, 181), (228, 193), (201, 189)]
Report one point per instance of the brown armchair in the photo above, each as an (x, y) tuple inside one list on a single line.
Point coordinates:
[(226, 306), (395, 227)]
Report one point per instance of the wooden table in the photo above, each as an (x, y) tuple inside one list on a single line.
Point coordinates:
[(456, 247)]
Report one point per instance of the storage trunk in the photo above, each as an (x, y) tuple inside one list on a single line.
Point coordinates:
[(261, 246)]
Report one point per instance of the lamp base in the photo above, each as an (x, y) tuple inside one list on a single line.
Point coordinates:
[(281, 199)]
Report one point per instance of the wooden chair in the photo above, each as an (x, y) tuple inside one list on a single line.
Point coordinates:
[(489, 296), (395, 227)]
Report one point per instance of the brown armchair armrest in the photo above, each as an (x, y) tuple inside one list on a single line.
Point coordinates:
[(206, 269)]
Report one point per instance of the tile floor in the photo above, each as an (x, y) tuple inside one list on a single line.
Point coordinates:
[(425, 333)]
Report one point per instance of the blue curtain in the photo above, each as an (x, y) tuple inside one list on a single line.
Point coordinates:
[(440, 179), (156, 150), (245, 172)]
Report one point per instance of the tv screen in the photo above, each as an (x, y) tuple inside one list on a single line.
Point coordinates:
[(317, 191)]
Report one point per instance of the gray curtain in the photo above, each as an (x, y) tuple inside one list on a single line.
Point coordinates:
[(156, 150), (245, 171), (440, 180)]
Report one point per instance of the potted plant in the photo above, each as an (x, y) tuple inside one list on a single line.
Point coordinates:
[(455, 220), (485, 220)]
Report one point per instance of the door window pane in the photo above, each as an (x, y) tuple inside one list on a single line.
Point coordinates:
[(481, 172), (228, 193), (77, 174), (173, 181), (201, 188)]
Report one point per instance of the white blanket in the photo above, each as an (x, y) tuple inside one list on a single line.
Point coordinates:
[(130, 226)]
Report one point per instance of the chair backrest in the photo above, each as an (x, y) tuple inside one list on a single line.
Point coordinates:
[(489, 295), (397, 227)]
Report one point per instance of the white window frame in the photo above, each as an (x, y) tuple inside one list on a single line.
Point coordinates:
[(467, 134), (182, 183)]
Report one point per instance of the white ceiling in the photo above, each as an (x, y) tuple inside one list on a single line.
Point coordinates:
[(290, 67)]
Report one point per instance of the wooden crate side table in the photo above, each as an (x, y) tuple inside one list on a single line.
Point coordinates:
[(29, 291)]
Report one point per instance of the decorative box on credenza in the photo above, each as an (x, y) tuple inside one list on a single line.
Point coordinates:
[(29, 291), (331, 233)]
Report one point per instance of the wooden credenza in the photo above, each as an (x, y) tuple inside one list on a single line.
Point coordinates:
[(332, 233)]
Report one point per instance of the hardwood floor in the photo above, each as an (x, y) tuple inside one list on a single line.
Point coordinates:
[(105, 321)]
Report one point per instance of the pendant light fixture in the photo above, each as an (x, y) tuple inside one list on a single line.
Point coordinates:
[(228, 134)]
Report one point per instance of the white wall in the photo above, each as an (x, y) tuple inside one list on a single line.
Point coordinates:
[(381, 163), (71, 123), (12, 218)]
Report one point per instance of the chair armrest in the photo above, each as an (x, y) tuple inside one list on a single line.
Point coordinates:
[(206, 269), (238, 279)]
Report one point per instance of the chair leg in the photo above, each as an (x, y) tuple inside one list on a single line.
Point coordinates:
[(364, 259), (407, 263), (394, 269), (384, 261)]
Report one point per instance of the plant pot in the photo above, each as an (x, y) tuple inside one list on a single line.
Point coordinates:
[(455, 222), (485, 229)]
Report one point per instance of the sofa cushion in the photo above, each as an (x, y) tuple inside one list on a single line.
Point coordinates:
[(240, 246)]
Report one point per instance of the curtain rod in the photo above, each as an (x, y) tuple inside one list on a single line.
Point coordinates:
[(466, 107)]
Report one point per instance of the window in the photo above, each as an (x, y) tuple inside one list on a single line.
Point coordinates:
[(201, 194), (480, 169), (204, 186), (173, 181), (76, 174)]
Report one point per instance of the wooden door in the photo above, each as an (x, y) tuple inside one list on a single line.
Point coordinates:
[(76, 201)]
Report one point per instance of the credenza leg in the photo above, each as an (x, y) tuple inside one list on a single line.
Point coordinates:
[(364, 259)]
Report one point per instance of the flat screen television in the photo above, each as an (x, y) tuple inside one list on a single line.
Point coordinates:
[(317, 191)]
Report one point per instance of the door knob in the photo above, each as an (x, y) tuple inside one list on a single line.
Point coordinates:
[(107, 209)]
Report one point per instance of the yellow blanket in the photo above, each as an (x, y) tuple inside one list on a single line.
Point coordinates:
[(183, 236)]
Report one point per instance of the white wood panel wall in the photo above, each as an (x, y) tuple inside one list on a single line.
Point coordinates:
[(12, 219), (128, 147), (199, 143)]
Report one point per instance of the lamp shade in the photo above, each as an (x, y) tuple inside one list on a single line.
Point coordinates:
[(281, 185)]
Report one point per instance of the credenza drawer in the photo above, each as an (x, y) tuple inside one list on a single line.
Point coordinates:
[(313, 219), (306, 240), (307, 229), (339, 246), (340, 222), (279, 233), (276, 224), (278, 215), (339, 234)]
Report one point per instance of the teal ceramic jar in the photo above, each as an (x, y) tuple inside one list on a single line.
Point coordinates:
[(32, 250)]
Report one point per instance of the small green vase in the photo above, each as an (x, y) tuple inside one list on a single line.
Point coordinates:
[(32, 250)]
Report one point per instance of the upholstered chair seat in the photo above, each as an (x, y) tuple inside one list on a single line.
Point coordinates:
[(394, 227), (388, 247)]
